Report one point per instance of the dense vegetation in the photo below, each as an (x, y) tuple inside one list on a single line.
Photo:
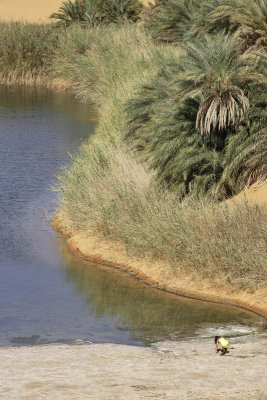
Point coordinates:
[(98, 12), (190, 122), (180, 20), (200, 122), (179, 119)]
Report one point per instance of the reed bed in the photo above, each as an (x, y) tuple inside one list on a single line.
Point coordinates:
[(26, 52), (107, 192)]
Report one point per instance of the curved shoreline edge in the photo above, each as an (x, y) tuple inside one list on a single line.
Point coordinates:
[(104, 252), (197, 288)]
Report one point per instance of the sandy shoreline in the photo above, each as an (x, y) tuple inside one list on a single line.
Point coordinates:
[(158, 274), (169, 370)]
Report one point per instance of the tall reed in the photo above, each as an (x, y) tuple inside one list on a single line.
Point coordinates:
[(26, 52), (110, 194)]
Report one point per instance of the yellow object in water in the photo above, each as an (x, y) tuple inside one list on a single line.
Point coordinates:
[(223, 342)]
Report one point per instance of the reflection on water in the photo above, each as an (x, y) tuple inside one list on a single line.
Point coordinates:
[(149, 314), (46, 295)]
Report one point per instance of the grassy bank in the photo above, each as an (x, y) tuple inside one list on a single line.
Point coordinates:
[(107, 190), (197, 236)]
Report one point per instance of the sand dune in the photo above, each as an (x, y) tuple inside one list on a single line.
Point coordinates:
[(29, 10)]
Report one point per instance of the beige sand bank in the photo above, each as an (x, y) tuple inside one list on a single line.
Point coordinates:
[(170, 370), (29, 10)]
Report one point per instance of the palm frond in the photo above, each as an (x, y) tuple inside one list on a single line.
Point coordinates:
[(172, 19), (247, 18), (221, 110)]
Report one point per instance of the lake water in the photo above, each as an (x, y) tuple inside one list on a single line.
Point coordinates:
[(46, 294)]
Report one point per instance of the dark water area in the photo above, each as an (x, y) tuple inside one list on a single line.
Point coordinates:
[(46, 294)]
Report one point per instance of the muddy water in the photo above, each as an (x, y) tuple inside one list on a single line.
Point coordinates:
[(46, 295)]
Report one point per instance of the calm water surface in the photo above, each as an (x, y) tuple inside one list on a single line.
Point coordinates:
[(47, 295)]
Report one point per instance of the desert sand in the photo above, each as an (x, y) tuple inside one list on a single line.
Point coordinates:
[(29, 10), (169, 370), (255, 194)]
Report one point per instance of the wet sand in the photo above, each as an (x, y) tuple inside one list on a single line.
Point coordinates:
[(169, 370)]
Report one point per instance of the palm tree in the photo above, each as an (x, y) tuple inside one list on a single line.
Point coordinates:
[(95, 12), (70, 12), (213, 69), (183, 120), (171, 20), (245, 154), (162, 129), (248, 17), (202, 23)]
